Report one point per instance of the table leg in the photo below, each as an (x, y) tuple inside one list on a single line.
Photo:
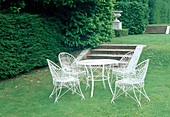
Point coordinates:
[(92, 77), (110, 86), (103, 77)]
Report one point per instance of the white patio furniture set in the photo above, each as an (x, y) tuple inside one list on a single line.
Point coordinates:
[(72, 72)]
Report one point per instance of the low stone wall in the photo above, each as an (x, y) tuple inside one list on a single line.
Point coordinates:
[(134, 60)]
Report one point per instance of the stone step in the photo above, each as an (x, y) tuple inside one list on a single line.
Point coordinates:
[(117, 46), (105, 56), (110, 51), (156, 29)]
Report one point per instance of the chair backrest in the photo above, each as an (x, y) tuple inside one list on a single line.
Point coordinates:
[(66, 60), (126, 58), (141, 69), (55, 70)]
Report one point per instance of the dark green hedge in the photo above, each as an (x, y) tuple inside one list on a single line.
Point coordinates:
[(86, 25), (141, 1), (26, 41), (134, 16), (121, 32)]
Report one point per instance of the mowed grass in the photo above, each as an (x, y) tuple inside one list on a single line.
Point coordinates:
[(27, 94)]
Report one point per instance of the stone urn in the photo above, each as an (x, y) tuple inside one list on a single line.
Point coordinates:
[(116, 22), (116, 15)]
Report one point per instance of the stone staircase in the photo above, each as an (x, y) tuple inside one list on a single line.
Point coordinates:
[(110, 51), (156, 29), (113, 51)]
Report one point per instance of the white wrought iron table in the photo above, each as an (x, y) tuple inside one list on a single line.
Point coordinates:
[(96, 64)]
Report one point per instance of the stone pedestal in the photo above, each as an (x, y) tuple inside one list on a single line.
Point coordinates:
[(117, 25)]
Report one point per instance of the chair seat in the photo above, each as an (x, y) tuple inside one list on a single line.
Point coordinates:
[(119, 70), (68, 79), (128, 81), (75, 73)]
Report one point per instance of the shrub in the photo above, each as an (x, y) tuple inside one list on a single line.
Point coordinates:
[(86, 25), (121, 32), (141, 1), (134, 16), (26, 42)]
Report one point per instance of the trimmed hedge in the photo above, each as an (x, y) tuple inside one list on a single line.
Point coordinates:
[(141, 1), (26, 42), (86, 25), (134, 16), (121, 32)]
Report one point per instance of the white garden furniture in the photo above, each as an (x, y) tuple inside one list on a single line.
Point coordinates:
[(122, 67), (62, 80), (99, 69), (134, 82), (69, 63)]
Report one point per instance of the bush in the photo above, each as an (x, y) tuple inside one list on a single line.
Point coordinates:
[(26, 42), (134, 16), (141, 1), (121, 32), (86, 25)]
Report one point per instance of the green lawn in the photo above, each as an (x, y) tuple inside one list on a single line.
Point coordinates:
[(27, 95)]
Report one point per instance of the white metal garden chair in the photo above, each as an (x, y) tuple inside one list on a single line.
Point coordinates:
[(134, 82), (122, 67), (68, 63), (62, 80)]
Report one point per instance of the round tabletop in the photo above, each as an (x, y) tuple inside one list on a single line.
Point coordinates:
[(97, 62)]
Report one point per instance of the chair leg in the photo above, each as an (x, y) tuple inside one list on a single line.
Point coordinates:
[(139, 104), (110, 86), (146, 94), (140, 94), (80, 91), (87, 78), (73, 88), (114, 95), (52, 92), (58, 95), (87, 84)]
